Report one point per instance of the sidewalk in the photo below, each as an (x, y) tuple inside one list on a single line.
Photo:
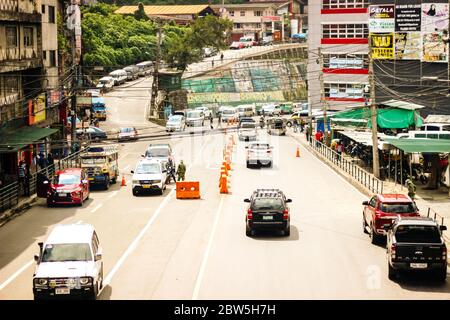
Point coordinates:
[(438, 202)]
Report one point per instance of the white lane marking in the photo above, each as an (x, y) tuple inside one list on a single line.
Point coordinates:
[(113, 194), (79, 222), (126, 168), (15, 275), (198, 282), (136, 240), (97, 207)]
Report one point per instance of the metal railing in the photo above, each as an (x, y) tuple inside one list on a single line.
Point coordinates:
[(10, 194), (366, 179)]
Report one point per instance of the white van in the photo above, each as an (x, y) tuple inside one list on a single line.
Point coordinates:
[(119, 76), (245, 110), (69, 263), (145, 68), (105, 83)]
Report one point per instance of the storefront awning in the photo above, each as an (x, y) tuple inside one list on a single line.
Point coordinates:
[(12, 140), (365, 138), (420, 145)]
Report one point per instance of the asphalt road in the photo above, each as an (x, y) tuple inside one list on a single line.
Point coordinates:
[(158, 247)]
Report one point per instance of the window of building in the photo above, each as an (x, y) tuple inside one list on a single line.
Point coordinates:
[(242, 13), (343, 4), (231, 13), (238, 25), (28, 36), (44, 54), (258, 13), (52, 55), (345, 31), (11, 84), (51, 14), (11, 37), (344, 90), (258, 26), (43, 9), (345, 61)]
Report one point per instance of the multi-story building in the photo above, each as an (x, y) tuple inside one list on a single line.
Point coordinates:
[(338, 51), (49, 9)]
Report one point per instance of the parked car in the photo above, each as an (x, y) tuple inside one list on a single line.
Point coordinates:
[(416, 244), (195, 118), (206, 112), (69, 186), (229, 114), (69, 263), (248, 41), (127, 133), (259, 154), (271, 110), (145, 68), (105, 84), (209, 52), (150, 174), (175, 123), (268, 210), (132, 72), (119, 76), (382, 210), (247, 131), (237, 45), (266, 41), (91, 133), (246, 110)]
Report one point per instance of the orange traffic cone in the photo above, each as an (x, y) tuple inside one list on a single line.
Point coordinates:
[(224, 168), (124, 183), (298, 152), (223, 184)]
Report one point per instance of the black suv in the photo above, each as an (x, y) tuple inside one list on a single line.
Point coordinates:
[(416, 244), (267, 210)]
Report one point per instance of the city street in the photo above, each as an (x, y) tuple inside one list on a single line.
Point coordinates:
[(158, 247)]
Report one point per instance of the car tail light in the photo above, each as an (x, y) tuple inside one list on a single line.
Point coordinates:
[(249, 214), (393, 251), (286, 214), (444, 252)]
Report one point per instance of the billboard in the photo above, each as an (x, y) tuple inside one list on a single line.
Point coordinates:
[(408, 17), (434, 17), (382, 18), (434, 48), (407, 45), (382, 45), (40, 104)]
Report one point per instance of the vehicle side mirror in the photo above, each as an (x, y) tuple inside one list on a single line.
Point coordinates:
[(442, 228), (99, 254), (365, 203), (132, 171), (36, 258), (142, 156), (288, 200), (246, 200)]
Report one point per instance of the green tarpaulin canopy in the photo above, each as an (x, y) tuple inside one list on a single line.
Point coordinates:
[(420, 145), (386, 118), (13, 140)]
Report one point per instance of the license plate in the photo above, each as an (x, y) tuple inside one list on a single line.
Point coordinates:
[(62, 291), (146, 186), (62, 194), (419, 265), (91, 179), (267, 217)]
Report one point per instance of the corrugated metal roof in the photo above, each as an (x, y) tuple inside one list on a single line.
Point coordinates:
[(402, 105), (165, 10)]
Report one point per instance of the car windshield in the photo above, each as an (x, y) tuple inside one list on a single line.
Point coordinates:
[(259, 146), (228, 111), (247, 125), (417, 234), (148, 168), (174, 120), (67, 252), (268, 204), (126, 130), (104, 81), (194, 114), (93, 160), (158, 152), (66, 179), (408, 207)]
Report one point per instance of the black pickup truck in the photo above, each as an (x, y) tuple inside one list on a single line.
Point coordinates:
[(416, 244)]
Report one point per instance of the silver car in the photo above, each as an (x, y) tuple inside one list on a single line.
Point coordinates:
[(259, 154)]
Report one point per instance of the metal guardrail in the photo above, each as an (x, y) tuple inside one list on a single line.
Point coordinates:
[(365, 178), (10, 194)]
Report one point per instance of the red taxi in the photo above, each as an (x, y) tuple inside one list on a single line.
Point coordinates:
[(69, 186)]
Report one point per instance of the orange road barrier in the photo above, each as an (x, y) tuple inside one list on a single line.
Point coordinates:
[(188, 190), (227, 165), (124, 183), (223, 184), (224, 168), (298, 152)]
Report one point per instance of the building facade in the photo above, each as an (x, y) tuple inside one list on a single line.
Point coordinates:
[(338, 43), (49, 9)]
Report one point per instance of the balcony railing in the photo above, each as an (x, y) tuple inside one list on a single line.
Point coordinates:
[(9, 5), (10, 54)]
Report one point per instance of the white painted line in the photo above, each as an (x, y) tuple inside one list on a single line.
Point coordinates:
[(198, 282), (15, 275), (126, 168), (113, 194), (79, 222), (97, 207)]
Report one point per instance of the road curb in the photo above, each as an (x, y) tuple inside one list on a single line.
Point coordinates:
[(18, 210)]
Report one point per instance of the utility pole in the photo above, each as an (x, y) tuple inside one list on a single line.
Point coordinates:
[(322, 97), (376, 162), (156, 72)]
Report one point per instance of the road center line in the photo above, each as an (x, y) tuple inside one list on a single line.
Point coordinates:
[(113, 194), (97, 207), (15, 275), (198, 282)]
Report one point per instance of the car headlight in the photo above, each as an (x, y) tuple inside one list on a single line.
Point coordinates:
[(40, 282), (85, 280), (135, 182)]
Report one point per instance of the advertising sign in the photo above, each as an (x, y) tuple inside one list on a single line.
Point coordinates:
[(382, 45), (434, 17), (39, 108), (382, 18), (408, 17), (434, 48), (407, 45)]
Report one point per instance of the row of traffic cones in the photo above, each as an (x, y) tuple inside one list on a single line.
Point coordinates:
[(226, 166)]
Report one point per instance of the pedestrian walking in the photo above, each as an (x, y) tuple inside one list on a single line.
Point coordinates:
[(170, 170), (212, 62), (22, 175), (211, 122), (411, 188), (219, 118), (221, 57), (42, 162), (307, 132), (181, 171)]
